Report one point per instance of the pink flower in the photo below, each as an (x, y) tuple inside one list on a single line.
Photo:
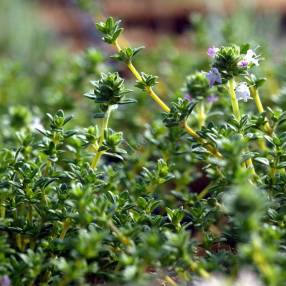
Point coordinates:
[(243, 63), (212, 51)]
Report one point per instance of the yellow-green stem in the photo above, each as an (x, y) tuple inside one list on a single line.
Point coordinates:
[(95, 159), (2, 210), (134, 71), (201, 115), (30, 213), (196, 268), (191, 131), (65, 229), (204, 192), (164, 106), (121, 237), (268, 129), (233, 99), (204, 273), (19, 241), (149, 89), (156, 98), (104, 125), (209, 147), (170, 281), (236, 112), (250, 166), (256, 97), (262, 263)]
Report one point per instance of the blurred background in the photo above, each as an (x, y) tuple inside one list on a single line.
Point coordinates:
[(50, 49), (147, 21)]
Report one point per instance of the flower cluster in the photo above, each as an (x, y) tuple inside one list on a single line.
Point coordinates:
[(249, 59), (230, 62), (114, 194)]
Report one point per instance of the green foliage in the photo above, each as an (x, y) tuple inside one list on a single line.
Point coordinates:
[(254, 81), (148, 80), (109, 90), (180, 110), (197, 86), (110, 29), (127, 54), (159, 175), (120, 198), (226, 61), (111, 143)]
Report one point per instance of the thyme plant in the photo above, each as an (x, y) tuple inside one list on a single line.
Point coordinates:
[(196, 192)]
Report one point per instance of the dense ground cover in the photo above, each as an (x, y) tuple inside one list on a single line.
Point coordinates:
[(180, 182)]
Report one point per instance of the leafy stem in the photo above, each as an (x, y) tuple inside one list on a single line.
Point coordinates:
[(201, 114), (237, 115), (121, 237), (149, 89), (233, 99), (255, 94), (66, 226), (164, 106), (104, 126), (262, 263), (212, 149), (2, 209), (170, 281)]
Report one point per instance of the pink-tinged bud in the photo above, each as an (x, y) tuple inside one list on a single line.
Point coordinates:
[(212, 52), (243, 64)]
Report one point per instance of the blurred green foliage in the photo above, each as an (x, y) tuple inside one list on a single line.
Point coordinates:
[(96, 190)]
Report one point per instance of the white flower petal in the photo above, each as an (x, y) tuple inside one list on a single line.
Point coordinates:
[(242, 92)]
